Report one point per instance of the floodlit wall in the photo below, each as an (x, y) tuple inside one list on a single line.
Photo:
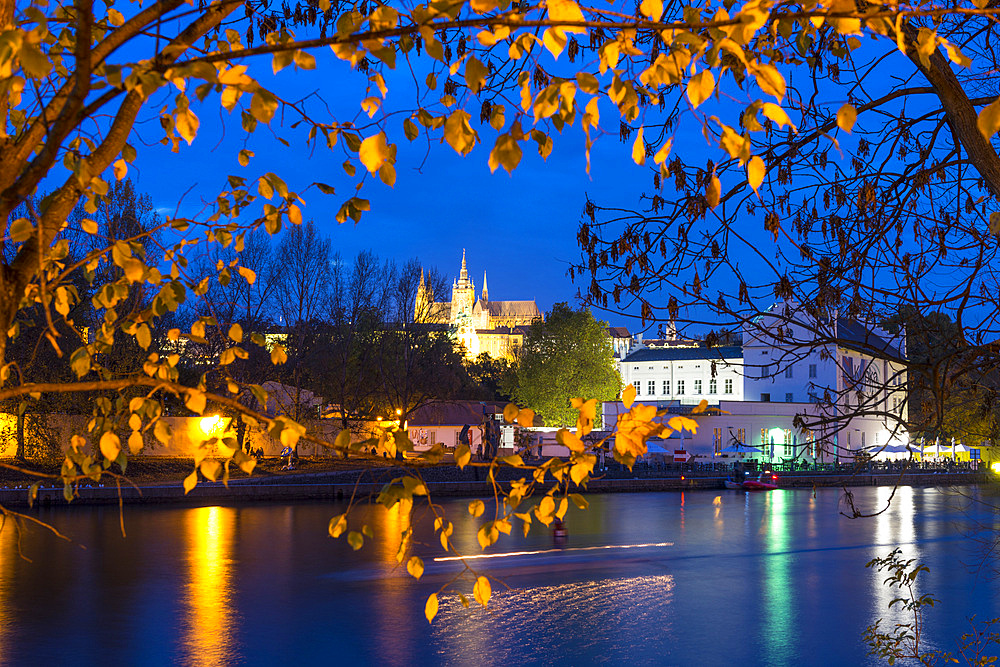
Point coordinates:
[(53, 432)]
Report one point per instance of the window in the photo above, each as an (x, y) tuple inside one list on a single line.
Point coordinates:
[(666, 387), (812, 370), (637, 386), (717, 440), (788, 397), (741, 435), (765, 398), (432, 437), (713, 386), (680, 387), (729, 386), (788, 372), (697, 386), (763, 437), (974, 454), (652, 387)]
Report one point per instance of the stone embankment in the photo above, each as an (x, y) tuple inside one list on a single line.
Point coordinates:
[(442, 481)]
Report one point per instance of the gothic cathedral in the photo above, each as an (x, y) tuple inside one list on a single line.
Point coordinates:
[(494, 327)]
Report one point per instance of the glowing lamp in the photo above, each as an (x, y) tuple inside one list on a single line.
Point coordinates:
[(996, 467), (211, 425)]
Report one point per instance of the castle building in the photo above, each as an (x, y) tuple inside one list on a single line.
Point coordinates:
[(480, 325)]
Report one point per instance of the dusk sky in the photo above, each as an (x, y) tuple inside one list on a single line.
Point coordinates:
[(520, 229)]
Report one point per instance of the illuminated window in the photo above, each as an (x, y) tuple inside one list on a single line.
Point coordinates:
[(741, 435), (717, 439)]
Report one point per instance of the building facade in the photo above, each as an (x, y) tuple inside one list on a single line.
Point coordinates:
[(686, 372), (801, 387), (496, 328)]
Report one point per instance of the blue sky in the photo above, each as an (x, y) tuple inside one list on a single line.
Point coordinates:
[(521, 229)]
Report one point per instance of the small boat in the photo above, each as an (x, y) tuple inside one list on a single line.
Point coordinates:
[(732, 485), (763, 483)]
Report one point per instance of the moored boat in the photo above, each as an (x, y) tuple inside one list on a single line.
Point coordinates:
[(763, 483), (733, 485)]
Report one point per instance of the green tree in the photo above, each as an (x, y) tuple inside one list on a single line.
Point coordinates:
[(566, 356)]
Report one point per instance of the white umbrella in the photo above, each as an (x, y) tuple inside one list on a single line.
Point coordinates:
[(962, 448)]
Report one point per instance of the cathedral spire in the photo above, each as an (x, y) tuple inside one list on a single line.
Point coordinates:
[(486, 292), (464, 275)]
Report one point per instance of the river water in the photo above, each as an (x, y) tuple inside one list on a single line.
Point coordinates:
[(707, 578)]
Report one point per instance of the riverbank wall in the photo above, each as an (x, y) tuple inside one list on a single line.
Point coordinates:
[(341, 486)]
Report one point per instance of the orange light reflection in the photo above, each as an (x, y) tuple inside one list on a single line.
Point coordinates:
[(208, 637)]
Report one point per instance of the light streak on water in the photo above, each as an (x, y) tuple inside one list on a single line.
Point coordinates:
[(510, 554)]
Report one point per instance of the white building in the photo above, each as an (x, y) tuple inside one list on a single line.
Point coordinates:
[(854, 375), (684, 371), (799, 387)]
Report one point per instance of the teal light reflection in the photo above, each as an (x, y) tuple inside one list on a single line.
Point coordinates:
[(778, 585)]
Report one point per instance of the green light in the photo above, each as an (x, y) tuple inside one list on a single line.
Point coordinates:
[(776, 436)]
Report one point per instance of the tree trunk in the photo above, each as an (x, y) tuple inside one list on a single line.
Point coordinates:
[(19, 454)]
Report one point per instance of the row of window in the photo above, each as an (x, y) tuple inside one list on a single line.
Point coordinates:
[(771, 370), (713, 387)]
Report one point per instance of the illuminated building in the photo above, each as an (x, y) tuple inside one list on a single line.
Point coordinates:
[(481, 325)]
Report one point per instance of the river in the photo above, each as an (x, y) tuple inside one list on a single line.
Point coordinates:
[(708, 578)]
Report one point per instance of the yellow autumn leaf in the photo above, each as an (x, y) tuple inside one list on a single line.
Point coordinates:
[(770, 81), (628, 396), (510, 412), (111, 446), (121, 169), (415, 567), (431, 608), (210, 469), (848, 114), (561, 11), (374, 151), (651, 9), (526, 417), (338, 525), (135, 442), (778, 115), (639, 148), (458, 133), (482, 591), (664, 152), (755, 172), (190, 481), (700, 87), (463, 454), (248, 274), (186, 124), (713, 191), (476, 508), (236, 333), (195, 401)]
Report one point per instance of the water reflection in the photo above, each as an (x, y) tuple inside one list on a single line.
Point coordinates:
[(394, 610), (208, 636), (584, 621), (778, 586), (7, 554)]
